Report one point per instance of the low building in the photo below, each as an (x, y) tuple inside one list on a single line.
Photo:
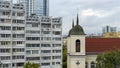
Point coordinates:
[(82, 51), (112, 34)]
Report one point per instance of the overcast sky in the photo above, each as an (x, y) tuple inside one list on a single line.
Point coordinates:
[(93, 14)]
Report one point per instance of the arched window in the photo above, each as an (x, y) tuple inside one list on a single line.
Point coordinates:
[(86, 64), (77, 45), (92, 64)]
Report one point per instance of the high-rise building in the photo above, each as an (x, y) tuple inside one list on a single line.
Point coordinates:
[(44, 41), (12, 35), (109, 29), (38, 7)]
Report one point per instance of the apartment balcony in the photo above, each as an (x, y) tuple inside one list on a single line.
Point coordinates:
[(5, 54), (5, 16), (32, 35), (6, 61), (34, 61), (46, 29), (57, 35), (5, 24), (4, 8), (18, 39), (18, 53), (5, 31), (18, 60), (18, 32), (5, 39), (57, 29), (19, 17), (17, 24), (32, 55), (18, 67), (45, 54), (46, 41), (32, 48), (56, 54), (19, 46), (33, 41), (31, 28), (5, 46)]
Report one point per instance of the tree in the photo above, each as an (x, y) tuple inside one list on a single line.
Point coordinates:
[(64, 57), (109, 60), (31, 65)]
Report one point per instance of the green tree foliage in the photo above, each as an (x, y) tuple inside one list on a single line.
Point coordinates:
[(31, 65), (109, 60), (64, 57)]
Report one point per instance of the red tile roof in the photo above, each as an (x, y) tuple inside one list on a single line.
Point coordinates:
[(102, 44)]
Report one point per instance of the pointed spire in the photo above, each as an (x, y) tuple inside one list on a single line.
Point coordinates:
[(73, 23), (77, 19)]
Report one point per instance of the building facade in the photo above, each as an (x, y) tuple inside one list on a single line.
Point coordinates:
[(44, 41), (12, 34), (82, 51), (34, 38), (112, 34), (38, 7)]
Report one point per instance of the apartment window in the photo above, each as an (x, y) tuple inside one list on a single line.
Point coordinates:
[(35, 25), (18, 35), (28, 52), (56, 45), (32, 38), (57, 39), (46, 38), (56, 57), (35, 51), (46, 58), (5, 57), (18, 50), (32, 45), (4, 50), (5, 27), (18, 57), (6, 13), (45, 45), (45, 64), (33, 58), (5, 35), (2, 20), (20, 14), (56, 51), (57, 62), (56, 32), (5, 43), (45, 51)]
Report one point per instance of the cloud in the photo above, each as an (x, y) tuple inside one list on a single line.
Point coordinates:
[(97, 13), (94, 14)]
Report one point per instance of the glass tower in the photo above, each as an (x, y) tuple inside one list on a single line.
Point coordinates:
[(38, 7)]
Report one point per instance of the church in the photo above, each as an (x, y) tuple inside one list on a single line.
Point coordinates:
[(82, 51)]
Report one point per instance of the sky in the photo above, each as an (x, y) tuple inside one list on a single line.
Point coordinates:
[(93, 14)]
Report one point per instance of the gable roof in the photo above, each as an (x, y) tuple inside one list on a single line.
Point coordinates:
[(98, 45)]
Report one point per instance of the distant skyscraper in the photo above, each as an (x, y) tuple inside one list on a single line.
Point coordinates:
[(38, 7), (109, 29)]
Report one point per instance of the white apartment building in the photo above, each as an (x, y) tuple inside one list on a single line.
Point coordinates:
[(35, 39), (44, 41), (12, 34)]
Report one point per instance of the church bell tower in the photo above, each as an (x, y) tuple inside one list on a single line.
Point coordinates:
[(76, 46)]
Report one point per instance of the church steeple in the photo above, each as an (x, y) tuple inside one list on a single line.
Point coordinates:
[(73, 24), (77, 21)]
